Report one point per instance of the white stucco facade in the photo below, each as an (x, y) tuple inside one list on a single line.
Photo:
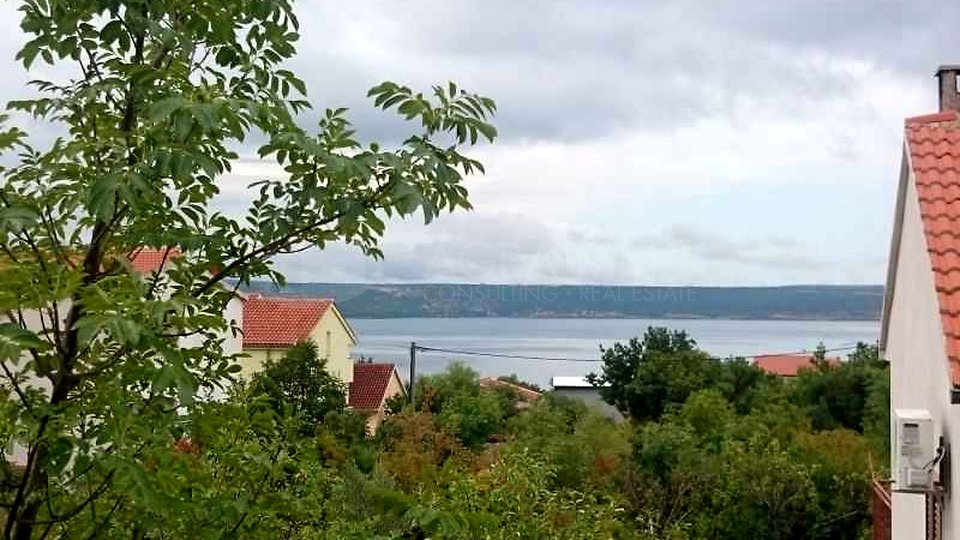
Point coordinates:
[(915, 346)]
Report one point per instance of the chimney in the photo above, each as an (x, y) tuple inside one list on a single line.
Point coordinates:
[(949, 95)]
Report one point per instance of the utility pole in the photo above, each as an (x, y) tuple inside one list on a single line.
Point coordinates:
[(413, 368)]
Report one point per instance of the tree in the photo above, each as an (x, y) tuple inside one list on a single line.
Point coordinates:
[(156, 98), (845, 395), (643, 377), (464, 408), (299, 385)]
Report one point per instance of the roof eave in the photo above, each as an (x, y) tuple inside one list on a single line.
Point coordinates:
[(343, 322), (906, 169)]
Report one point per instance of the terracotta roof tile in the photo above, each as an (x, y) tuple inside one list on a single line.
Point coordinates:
[(148, 260), (280, 322), (787, 365), (933, 144), (369, 386)]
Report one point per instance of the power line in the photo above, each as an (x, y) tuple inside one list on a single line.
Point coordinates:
[(848, 347), (425, 348), (505, 355)]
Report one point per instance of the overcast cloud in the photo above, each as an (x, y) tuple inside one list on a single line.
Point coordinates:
[(682, 142)]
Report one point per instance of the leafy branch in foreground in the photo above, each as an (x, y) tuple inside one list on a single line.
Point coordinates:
[(153, 101)]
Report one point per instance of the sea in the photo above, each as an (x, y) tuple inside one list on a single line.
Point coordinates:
[(571, 347)]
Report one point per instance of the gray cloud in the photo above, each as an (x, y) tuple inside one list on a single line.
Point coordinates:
[(580, 69), (618, 117), (770, 251)]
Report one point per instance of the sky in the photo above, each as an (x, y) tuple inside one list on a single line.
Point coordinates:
[(679, 142)]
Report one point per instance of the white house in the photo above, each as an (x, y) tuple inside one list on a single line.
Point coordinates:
[(921, 315), (580, 388)]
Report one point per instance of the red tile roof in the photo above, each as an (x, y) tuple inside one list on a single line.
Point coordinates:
[(933, 143), (787, 365), (148, 260), (369, 386), (280, 322)]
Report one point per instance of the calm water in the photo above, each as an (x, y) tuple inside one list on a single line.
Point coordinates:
[(389, 340)]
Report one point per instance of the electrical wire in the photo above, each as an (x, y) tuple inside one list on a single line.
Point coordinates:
[(504, 355), (425, 348)]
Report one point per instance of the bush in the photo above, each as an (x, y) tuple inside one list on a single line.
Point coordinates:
[(463, 407)]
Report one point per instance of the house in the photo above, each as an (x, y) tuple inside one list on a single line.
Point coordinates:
[(580, 388), (920, 332), (788, 365), (373, 384), (272, 325), (147, 261)]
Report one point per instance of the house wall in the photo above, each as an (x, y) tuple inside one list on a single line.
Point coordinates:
[(17, 454), (375, 418), (919, 371), (333, 342), (591, 397), (233, 344)]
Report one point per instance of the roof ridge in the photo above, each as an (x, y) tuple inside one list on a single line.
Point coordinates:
[(933, 118), (297, 298)]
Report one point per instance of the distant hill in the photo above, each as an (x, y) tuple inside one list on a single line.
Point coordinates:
[(800, 302)]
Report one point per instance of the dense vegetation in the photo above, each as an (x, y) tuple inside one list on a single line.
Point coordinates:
[(807, 302), (712, 449)]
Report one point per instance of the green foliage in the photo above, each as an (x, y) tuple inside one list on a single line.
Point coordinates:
[(464, 408), (733, 453), (645, 378), (299, 385), (584, 448), (151, 102), (836, 395)]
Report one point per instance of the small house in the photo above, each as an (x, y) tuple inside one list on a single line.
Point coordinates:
[(788, 365), (580, 388), (272, 325), (373, 384)]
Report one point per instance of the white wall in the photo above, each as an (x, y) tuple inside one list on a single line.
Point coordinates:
[(591, 397), (919, 371)]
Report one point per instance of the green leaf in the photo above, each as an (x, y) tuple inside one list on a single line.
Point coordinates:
[(14, 340), (17, 217), (164, 108), (103, 196), (487, 130)]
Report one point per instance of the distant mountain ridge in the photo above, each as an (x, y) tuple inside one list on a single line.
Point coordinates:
[(793, 302)]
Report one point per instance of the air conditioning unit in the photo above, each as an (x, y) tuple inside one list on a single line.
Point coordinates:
[(915, 450)]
